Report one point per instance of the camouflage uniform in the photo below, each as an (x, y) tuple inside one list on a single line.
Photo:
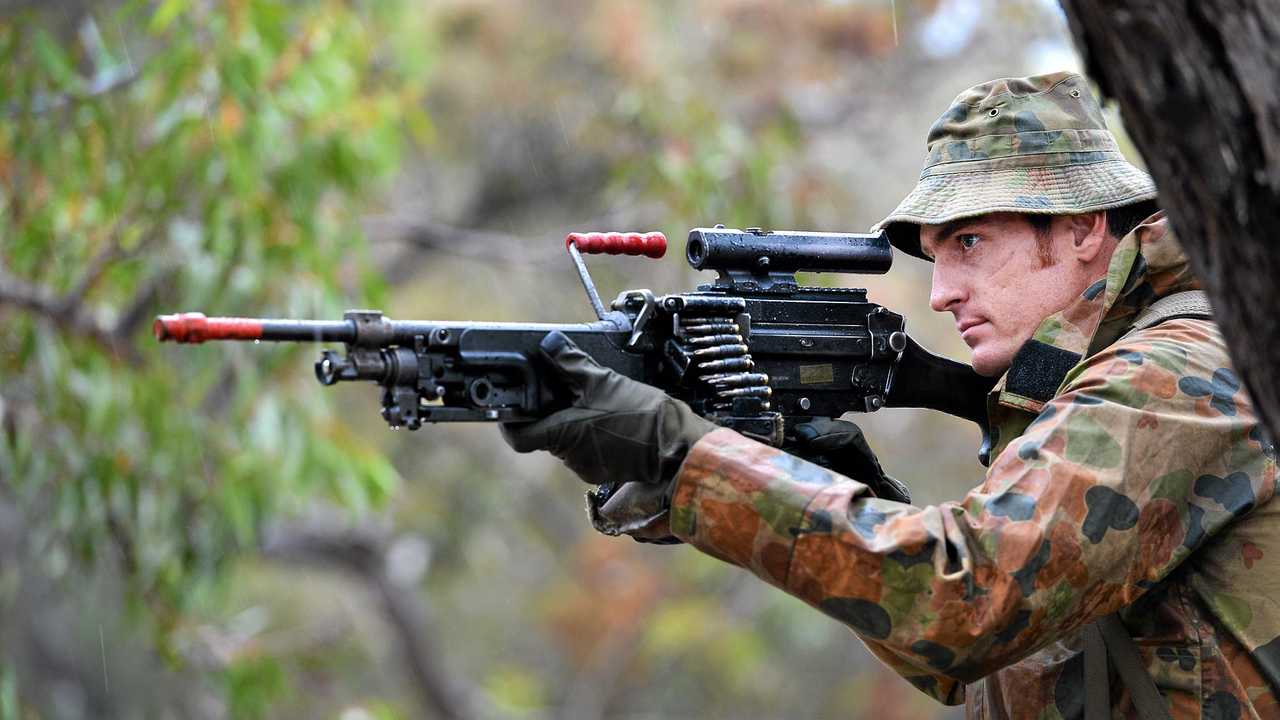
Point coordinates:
[(1142, 483)]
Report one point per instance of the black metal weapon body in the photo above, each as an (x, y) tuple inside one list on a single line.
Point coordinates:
[(753, 351)]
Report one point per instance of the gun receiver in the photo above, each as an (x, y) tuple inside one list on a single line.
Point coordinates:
[(754, 350)]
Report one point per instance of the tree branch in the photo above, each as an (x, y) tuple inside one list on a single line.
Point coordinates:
[(361, 551), (68, 311), (104, 83), (73, 318), (97, 266), (589, 694), (112, 253), (482, 246)]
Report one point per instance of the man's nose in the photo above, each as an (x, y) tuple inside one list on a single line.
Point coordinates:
[(947, 289)]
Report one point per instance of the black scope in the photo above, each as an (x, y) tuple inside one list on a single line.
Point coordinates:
[(768, 258)]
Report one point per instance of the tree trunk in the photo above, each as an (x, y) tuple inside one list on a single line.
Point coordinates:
[(1198, 82)]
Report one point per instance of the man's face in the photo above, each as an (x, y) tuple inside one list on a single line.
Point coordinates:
[(998, 281)]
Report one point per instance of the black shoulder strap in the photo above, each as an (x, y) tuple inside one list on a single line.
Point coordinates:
[(1106, 642), (1097, 681), (1107, 639)]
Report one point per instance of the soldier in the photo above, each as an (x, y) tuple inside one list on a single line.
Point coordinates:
[(1114, 561)]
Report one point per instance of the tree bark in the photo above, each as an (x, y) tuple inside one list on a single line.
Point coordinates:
[(1198, 83)]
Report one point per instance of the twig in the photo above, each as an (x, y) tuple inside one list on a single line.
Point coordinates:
[(36, 298), (112, 253), (97, 266), (68, 310), (137, 310), (325, 634), (124, 543), (589, 695), (361, 551), (105, 82), (42, 301), (484, 246)]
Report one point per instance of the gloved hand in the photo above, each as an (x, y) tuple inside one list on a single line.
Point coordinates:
[(637, 509), (840, 446), (618, 431)]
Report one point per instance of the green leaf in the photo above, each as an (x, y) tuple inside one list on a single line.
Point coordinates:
[(8, 692), (168, 11), (54, 60), (253, 684), (515, 687)]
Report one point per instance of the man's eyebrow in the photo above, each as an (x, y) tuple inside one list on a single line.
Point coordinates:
[(948, 229)]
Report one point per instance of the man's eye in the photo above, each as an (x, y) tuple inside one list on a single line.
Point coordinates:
[(967, 240)]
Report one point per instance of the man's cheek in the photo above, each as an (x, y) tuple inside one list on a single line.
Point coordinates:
[(1011, 334)]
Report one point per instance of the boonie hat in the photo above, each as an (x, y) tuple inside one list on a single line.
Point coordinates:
[(1027, 145)]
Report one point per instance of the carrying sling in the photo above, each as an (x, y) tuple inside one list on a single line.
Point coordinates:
[(1107, 640), (1107, 643)]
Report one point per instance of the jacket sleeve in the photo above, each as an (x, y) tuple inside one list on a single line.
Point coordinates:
[(1149, 450)]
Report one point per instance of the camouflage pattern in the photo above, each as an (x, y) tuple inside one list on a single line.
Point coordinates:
[(1144, 483), (1036, 144)]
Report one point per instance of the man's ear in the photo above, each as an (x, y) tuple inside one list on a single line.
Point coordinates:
[(1088, 233)]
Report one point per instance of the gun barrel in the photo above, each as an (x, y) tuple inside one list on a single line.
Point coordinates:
[(196, 328), (788, 251)]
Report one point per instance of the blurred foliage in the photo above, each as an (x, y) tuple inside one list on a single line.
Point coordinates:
[(215, 156), (275, 158)]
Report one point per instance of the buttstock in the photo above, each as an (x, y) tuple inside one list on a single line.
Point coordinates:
[(925, 380)]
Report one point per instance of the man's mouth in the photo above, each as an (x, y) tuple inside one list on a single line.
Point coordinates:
[(965, 326)]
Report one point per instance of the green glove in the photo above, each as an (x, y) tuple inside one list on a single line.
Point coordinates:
[(840, 446), (617, 430)]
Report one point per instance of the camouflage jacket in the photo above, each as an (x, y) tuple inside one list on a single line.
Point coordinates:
[(1142, 482)]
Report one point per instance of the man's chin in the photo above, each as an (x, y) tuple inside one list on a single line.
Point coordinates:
[(990, 364)]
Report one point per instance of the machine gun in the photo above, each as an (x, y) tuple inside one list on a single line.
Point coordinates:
[(753, 351)]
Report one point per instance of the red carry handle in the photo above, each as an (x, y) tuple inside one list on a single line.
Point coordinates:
[(650, 244)]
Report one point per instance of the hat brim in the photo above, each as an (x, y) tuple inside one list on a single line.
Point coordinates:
[(1059, 190)]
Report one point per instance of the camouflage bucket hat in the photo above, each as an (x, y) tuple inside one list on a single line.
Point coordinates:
[(1027, 145)]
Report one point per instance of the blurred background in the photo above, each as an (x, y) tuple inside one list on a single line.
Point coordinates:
[(205, 532)]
